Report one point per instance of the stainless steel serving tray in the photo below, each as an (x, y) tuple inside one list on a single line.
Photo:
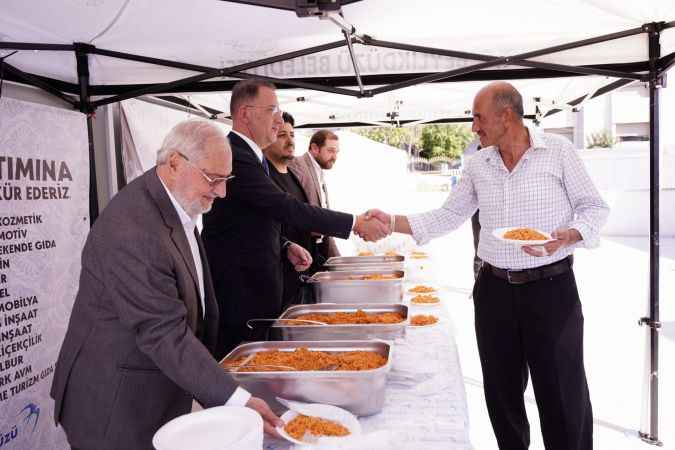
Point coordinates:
[(302, 332), (337, 287), (365, 263), (360, 392)]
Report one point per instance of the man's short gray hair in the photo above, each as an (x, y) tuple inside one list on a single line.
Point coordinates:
[(246, 91), (507, 96), (189, 138)]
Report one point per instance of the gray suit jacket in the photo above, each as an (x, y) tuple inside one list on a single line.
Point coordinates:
[(130, 360), (303, 169)]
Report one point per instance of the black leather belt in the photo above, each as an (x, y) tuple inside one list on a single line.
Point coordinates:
[(534, 274)]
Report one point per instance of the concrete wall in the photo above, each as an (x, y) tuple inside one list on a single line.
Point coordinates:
[(622, 176)]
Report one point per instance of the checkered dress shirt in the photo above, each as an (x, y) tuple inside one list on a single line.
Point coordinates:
[(548, 189)]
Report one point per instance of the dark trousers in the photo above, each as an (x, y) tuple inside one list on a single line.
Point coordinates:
[(475, 229), (536, 326)]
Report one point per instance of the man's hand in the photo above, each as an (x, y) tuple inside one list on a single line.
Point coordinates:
[(270, 420), (397, 224), (379, 215), (371, 228), (563, 237), (299, 257)]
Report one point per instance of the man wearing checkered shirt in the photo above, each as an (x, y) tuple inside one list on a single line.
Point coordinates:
[(527, 309)]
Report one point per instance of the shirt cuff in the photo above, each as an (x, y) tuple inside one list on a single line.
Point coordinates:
[(353, 222), (589, 239), (416, 222), (239, 398)]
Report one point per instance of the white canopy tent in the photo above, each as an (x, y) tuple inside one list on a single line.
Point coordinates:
[(392, 62), (387, 35), (221, 34)]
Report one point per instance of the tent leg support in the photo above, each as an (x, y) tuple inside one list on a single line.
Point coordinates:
[(649, 431)]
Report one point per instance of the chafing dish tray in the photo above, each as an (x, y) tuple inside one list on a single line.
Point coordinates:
[(309, 332), (349, 286), (365, 263), (360, 392)]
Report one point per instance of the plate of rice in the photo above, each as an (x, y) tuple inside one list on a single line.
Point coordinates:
[(319, 424), (522, 236)]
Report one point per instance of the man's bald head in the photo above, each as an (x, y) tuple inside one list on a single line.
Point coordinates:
[(504, 95), (497, 109)]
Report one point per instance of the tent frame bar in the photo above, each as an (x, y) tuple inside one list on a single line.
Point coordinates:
[(194, 83), (33, 80), (519, 59), (337, 81), (82, 60), (651, 422), (211, 72), (614, 85)]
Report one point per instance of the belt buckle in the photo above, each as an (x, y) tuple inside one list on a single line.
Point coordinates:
[(511, 281)]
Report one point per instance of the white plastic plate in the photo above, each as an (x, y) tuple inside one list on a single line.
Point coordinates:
[(499, 234), (329, 412)]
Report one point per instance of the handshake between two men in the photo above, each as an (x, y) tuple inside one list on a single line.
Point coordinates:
[(374, 225), (371, 226)]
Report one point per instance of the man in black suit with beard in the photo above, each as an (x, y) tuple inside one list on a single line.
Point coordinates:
[(242, 233)]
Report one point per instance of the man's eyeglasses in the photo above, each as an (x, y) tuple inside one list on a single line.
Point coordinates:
[(214, 182), (274, 109)]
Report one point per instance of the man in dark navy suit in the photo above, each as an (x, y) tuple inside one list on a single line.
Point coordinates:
[(242, 233)]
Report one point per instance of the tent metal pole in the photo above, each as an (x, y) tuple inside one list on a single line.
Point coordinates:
[(522, 56), (666, 63), (156, 88), (581, 43), (518, 59), (165, 87), (367, 40), (603, 90), (325, 82), (209, 73), (226, 71), (581, 70), (301, 84), (33, 46), (439, 76), (357, 72), (82, 60), (651, 433), (370, 124), (37, 82)]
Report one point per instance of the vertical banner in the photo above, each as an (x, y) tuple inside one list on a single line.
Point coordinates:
[(44, 209)]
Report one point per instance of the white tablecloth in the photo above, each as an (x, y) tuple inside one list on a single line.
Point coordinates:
[(425, 406)]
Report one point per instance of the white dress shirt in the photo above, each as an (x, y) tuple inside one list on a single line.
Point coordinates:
[(322, 182), (548, 189), (189, 225), (251, 144), (240, 396)]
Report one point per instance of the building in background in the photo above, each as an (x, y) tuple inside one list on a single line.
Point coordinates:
[(622, 114)]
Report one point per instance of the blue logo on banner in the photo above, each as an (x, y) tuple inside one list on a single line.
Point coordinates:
[(31, 415)]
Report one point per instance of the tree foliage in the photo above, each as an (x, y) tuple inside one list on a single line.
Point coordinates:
[(445, 140), (432, 140), (396, 137)]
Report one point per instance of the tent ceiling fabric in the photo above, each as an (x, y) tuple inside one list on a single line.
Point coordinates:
[(425, 102), (217, 33)]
